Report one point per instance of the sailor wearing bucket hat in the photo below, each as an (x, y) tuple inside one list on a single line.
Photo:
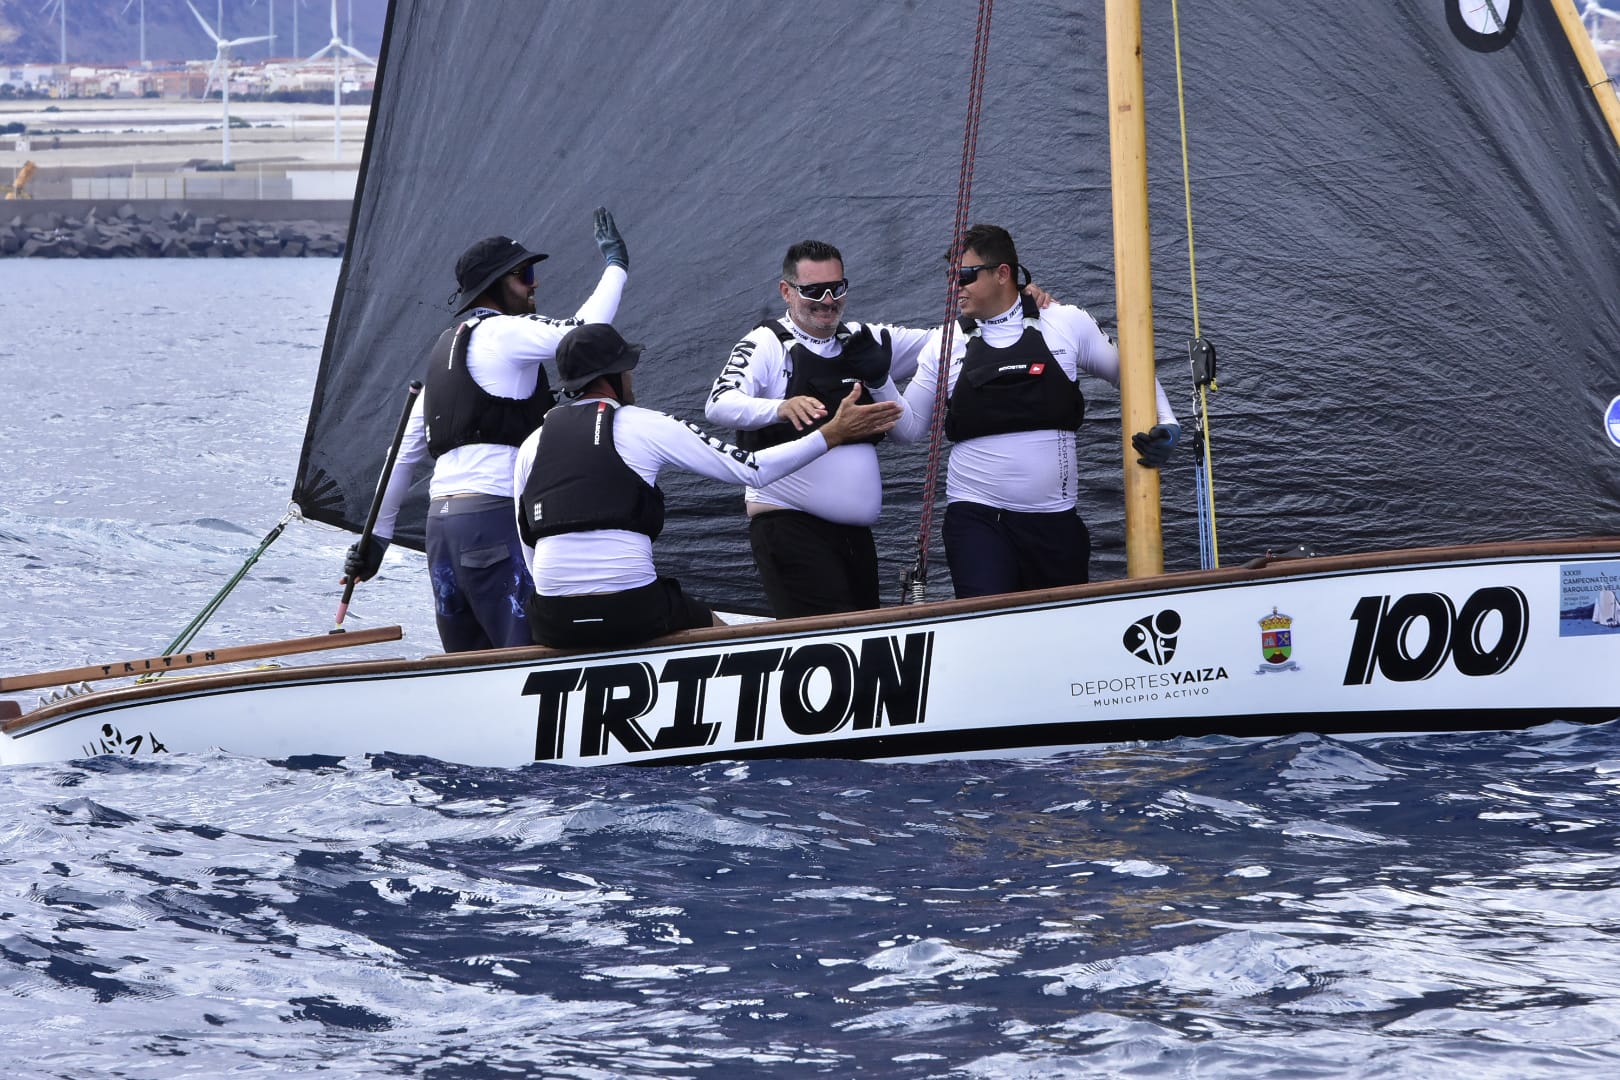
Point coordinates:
[(486, 391), (589, 507)]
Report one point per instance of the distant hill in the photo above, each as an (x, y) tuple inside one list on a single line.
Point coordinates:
[(108, 31)]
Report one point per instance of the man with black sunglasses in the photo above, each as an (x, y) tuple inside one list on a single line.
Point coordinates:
[(811, 531), (1014, 403), (486, 390)]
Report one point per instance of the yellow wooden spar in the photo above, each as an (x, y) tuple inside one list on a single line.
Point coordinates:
[(1601, 85), (1133, 282)]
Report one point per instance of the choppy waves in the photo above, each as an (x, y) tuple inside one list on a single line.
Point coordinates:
[(1295, 908)]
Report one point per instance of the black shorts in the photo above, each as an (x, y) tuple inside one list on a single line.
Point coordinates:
[(811, 566), (605, 620)]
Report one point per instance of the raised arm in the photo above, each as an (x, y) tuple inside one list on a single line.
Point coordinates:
[(603, 304)]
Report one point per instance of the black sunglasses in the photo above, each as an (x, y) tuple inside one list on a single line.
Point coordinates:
[(525, 274), (967, 275), (822, 291)]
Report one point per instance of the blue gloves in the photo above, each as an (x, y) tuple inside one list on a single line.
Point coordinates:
[(609, 240), (867, 356), (363, 566), (1154, 445)]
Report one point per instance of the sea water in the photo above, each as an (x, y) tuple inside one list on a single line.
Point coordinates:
[(1303, 907)]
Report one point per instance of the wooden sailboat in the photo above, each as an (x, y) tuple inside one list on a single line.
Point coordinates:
[(1420, 639)]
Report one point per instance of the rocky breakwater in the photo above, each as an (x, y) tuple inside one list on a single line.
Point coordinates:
[(169, 234)]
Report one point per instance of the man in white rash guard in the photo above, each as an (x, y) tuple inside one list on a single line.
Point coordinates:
[(588, 504), (1011, 522), (811, 531), (486, 391)]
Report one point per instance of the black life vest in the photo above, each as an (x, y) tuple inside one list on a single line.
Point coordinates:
[(580, 483), (827, 379), (1019, 388), (459, 412)]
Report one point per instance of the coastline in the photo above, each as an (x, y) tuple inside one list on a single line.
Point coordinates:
[(144, 179), (189, 229)]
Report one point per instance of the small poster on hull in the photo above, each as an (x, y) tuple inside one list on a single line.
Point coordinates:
[(1588, 599)]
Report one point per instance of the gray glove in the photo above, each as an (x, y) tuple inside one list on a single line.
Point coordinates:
[(609, 240), (363, 565)]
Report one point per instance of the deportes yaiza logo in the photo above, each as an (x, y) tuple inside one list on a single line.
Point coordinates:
[(1611, 421), (1276, 643), (1153, 637)]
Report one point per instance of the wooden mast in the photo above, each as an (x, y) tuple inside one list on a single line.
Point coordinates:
[(1133, 282), (1597, 78)]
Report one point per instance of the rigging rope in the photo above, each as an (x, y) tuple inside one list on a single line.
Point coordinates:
[(1200, 353), (916, 579), (190, 631)]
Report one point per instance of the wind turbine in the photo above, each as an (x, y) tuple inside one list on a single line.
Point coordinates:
[(222, 63), (127, 5), (61, 9), (337, 47), (270, 48)]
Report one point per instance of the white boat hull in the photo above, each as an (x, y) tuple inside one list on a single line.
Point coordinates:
[(1455, 639)]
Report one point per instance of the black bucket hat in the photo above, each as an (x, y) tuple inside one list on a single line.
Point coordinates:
[(591, 350), (481, 265)]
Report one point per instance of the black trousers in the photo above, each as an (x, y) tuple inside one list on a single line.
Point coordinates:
[(991, 551), (605, 620), (811, 566)]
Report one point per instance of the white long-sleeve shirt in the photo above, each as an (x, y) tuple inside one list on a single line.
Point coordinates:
[(503, 357), (612, 560), (844, 486), (1033, 471)]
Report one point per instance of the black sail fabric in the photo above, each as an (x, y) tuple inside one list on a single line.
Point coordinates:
[(1406, 244)]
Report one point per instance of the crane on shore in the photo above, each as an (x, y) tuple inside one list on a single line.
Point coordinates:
[(15, 190)]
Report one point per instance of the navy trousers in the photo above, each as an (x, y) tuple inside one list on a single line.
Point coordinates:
[(992, 551), (481, 585)]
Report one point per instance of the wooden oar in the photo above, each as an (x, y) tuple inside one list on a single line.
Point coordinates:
[(377, 497), (199, 658)]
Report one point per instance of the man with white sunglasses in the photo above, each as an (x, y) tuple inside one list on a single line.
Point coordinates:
[(811, 531)]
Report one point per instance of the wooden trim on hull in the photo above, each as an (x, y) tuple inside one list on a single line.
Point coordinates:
[(190, 659)]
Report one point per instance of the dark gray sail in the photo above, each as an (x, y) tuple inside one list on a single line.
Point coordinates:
[(1406, 239)]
